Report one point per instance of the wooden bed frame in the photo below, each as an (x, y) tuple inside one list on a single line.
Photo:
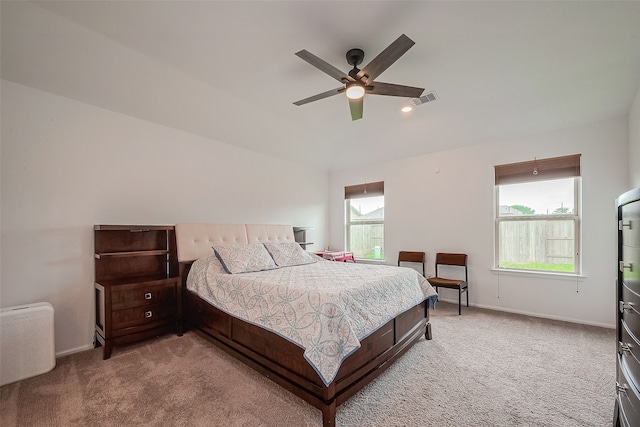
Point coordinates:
[(270, 354)]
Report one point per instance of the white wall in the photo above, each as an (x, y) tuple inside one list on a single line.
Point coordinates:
[(634, 142), (445, 202), (67, 166)]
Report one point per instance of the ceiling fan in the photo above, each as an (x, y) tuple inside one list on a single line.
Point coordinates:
[(358, 82)]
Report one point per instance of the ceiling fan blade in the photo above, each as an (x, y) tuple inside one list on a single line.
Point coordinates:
[(320, 96), (384, 60), (390, 89), (355, 105), (324, 66)]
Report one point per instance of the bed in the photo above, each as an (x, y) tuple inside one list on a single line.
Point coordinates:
[(324, 341)]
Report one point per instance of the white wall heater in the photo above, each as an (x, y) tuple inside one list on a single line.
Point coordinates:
[(27, 346)]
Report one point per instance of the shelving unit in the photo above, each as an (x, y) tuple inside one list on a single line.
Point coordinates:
[(137, 291), (300, 234)]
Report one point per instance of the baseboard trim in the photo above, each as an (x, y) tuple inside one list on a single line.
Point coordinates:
[(74, 350), (533, 314)]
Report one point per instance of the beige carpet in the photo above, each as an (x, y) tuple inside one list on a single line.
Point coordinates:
[(483, 368)]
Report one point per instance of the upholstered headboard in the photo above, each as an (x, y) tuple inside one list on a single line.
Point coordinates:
[(194, 240)]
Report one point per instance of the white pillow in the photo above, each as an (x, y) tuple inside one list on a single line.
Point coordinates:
[(214, 265), (287, 254), (244, 258), (201, 268)]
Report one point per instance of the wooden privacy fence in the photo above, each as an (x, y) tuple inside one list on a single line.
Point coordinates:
[(367, 240), (544, 241)]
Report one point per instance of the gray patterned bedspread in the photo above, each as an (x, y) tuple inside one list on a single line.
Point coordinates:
[(324, 307)]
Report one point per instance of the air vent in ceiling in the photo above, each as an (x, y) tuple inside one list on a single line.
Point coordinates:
[(427, 97)]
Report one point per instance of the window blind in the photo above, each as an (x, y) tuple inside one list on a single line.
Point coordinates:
[(369, 189), (538, 170)]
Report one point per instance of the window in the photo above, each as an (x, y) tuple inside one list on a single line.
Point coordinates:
[(364, 218), (538, 216)]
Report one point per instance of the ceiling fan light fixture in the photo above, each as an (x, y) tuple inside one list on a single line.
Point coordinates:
[(360, 82), (355, 91)]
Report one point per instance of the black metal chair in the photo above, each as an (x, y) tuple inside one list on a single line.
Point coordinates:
[(407, 256), (458, 260)]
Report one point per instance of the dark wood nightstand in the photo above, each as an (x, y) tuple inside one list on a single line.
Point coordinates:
[(138, 293)]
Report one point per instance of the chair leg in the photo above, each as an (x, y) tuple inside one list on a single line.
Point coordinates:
[(459, 301), (467, 292)]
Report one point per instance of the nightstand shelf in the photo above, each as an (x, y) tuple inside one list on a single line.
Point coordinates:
[(137, 290), (300, 235), (131, 253)]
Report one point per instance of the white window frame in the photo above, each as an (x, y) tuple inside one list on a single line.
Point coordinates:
[(575, 217), (362, 191), (350, 223)]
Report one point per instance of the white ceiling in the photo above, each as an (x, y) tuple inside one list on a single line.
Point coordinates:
[(227, 70)]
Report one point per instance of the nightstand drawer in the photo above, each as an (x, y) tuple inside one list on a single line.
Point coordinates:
[(143, 294), (139, 316)]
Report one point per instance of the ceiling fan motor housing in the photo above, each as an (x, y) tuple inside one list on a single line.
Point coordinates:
[(355, 57)]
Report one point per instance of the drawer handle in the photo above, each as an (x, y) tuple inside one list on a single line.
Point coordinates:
[(622, 266), (148, 314), (625, 306), (623, 348), (147, 295), (621, 388)]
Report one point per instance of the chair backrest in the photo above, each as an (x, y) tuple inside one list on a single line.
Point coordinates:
[(408, 256), (459, 260)]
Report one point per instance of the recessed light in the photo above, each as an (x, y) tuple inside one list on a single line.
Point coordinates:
[(407, 108)]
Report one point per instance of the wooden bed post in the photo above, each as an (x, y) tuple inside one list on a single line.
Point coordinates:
[(427, 333), (329, 415)]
